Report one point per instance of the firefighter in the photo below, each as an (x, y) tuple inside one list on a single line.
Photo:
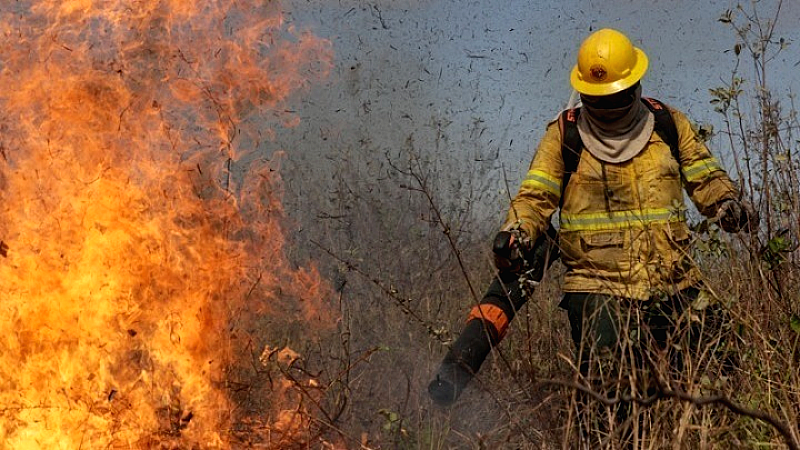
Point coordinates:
[(616, 168)]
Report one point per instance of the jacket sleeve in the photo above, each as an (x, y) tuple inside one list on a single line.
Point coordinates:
[(540, 191), (704, 178)]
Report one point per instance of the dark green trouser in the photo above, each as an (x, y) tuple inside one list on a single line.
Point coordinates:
[(604, 324), (618, 340)]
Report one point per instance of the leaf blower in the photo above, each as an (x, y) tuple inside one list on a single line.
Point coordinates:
[(488, 321)]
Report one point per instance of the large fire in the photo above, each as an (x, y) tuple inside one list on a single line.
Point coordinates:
[(141, 219)]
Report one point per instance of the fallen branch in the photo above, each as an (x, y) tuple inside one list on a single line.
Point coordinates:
[(663, 392)]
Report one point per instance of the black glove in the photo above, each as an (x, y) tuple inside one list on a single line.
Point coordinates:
[(736, 215), (514, 252), (509, 247)]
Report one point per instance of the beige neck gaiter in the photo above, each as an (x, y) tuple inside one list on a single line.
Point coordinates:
[(616, 135)]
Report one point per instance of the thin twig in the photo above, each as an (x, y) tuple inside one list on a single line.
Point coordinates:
[(390, 292)]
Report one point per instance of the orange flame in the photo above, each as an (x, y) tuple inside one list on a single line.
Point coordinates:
[(143, 225)]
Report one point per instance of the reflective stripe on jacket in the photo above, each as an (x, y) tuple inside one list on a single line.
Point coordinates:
[(623, 226)]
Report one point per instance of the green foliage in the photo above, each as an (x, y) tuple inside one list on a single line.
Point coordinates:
[(776, 250), (722, 97), (794, 323), (708, 241), (392, 421)]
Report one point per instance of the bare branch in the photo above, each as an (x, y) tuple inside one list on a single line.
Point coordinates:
[(663, 392)]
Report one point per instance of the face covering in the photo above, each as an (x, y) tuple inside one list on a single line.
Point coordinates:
[(615, 128)]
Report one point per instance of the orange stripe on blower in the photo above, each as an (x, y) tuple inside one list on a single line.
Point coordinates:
[(491, 314)]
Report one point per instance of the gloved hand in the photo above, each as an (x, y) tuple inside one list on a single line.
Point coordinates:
[(736, 215), (509, 247)]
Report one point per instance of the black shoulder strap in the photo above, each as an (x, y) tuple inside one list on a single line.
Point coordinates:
[(665, 125), (572, 145)]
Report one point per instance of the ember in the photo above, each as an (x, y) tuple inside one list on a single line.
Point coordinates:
[(143, 216)]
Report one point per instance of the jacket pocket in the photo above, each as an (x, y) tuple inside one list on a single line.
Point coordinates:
[(596, 250), (602, 239)]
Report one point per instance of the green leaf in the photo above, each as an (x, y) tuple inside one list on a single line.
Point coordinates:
[(778, 244), (794, 322)]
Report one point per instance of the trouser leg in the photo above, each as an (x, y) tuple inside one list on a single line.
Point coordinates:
[(624, 348), (595, 327), (701, 328)]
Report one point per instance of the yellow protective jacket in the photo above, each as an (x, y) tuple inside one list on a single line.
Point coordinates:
[(623, 226)]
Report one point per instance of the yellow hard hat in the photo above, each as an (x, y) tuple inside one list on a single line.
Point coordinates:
[(607, 63)]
